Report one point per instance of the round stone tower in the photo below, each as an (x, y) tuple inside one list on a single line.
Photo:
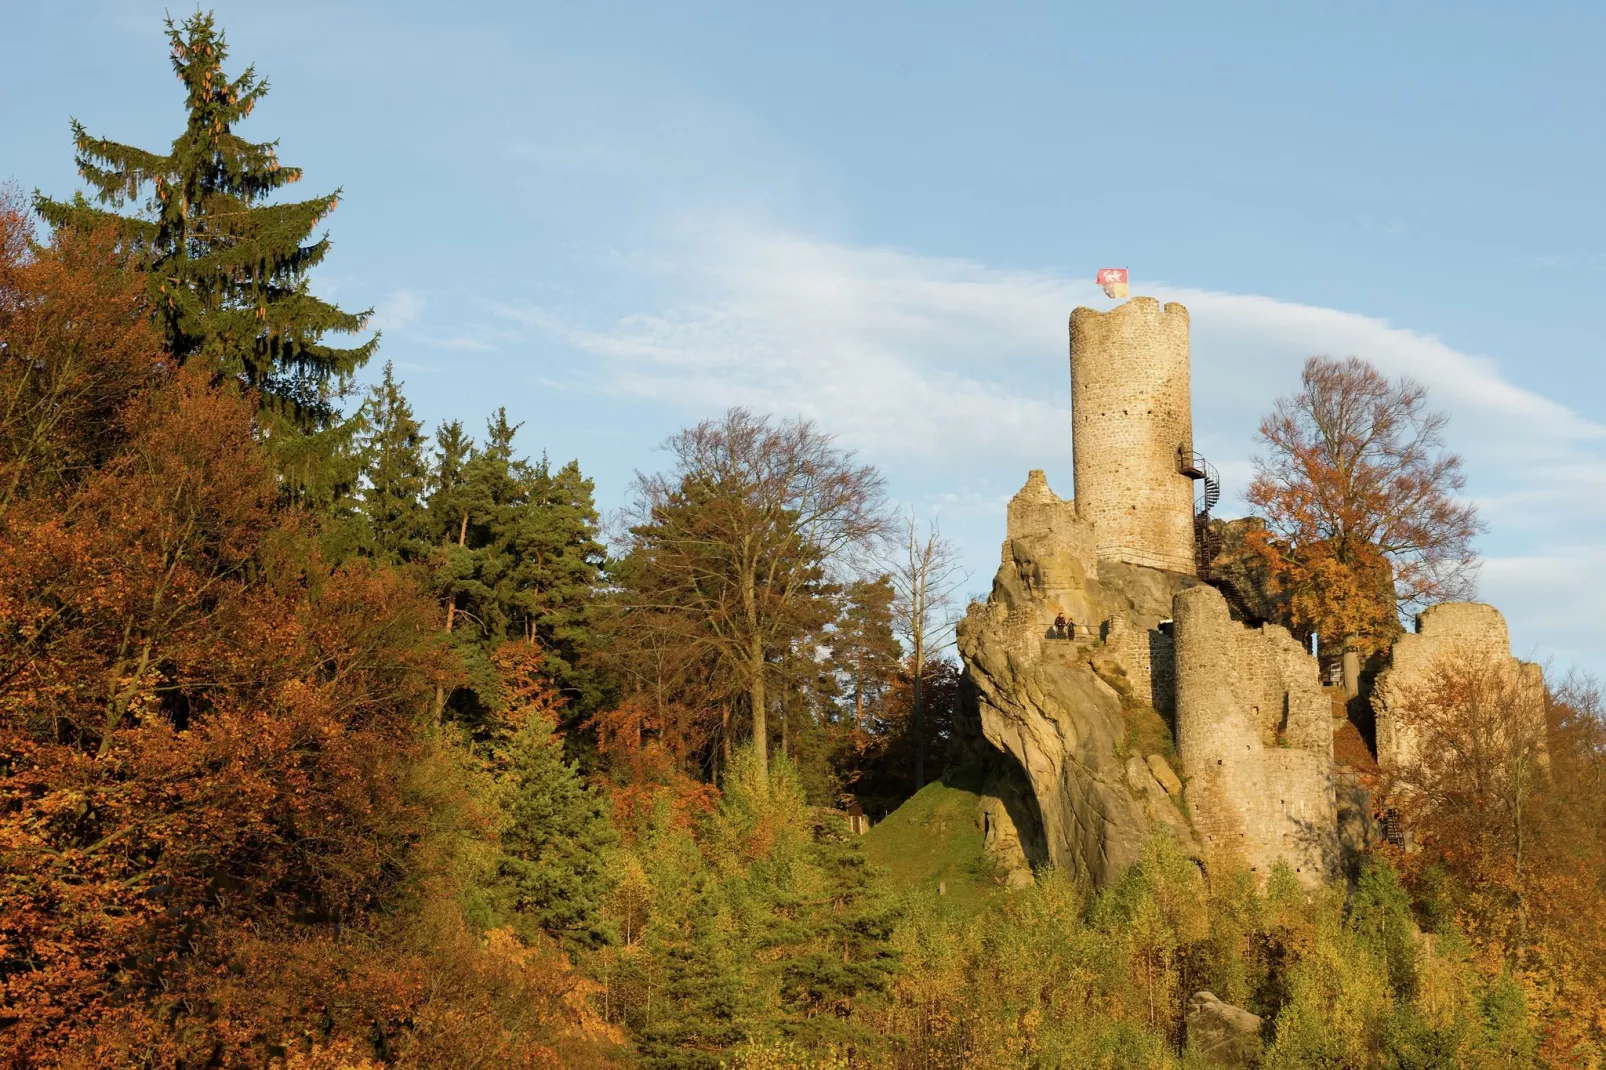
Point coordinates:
[(1130, 413)]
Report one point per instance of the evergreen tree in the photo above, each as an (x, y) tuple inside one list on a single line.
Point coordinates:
[(864, 650), (480, 577), (557, 571), (554, 868), (846, 921), (454, 565), (516, 558), (395, 475), (709, 1002), (226, 269)]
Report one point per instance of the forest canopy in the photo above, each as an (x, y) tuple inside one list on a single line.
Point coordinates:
[(332, 739)]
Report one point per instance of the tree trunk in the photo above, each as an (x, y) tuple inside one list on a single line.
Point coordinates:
[(756, 699), (919, 720), (858, 694), (451, 613), (725, 737), (919, 723)]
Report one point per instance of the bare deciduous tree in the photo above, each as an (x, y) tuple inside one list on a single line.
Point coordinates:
[(1359, 497), (925, 571), (737, 541)]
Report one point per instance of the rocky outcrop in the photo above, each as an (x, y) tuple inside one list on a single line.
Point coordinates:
[(1067, 723), (1225, 1035), (1236, 566)]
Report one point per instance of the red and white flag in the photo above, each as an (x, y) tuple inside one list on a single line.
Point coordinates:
[(1113, 280)]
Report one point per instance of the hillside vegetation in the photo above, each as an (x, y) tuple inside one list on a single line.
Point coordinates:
[(331, 741)]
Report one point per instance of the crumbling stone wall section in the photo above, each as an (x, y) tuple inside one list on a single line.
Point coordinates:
[(1452, 633), (1130, 411), (1250, 801), (1149, 658)]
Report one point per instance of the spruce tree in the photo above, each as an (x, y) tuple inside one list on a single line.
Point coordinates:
[(711, 999), (558, 563), (846, 921), (226, 269), (516, 557), (553, 867), (455, 565), (395, 474)]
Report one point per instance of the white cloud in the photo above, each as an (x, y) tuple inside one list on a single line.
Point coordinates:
[(952, 376), (398, 311)]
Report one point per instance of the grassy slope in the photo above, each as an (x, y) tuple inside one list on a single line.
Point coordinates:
[(936, 837)]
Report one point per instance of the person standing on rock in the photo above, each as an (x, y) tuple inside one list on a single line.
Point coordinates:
[(1061, 625)]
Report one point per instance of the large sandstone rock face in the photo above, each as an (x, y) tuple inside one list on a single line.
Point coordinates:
[(1099, 726), (1064, 709)]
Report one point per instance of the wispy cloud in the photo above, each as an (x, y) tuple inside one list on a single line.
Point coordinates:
[(952, 375), (398, 311)]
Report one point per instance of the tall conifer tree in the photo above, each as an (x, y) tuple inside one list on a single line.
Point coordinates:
[(554, 866), (864, 650), (558, 570), (516, 558), (395, 474), (227, 270)]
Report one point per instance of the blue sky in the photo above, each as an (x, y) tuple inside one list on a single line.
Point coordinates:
[(616, 219)]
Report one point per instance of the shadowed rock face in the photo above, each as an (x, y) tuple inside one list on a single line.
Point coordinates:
[(1063, 709)]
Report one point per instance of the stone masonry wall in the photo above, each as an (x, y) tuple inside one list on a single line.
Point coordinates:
[(1149, 658), (1256, 747), (1130, 410), (1447, 635)]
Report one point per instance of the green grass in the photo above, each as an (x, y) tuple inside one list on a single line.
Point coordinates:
[(935, 838)]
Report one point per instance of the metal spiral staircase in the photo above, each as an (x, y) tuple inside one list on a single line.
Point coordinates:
[(1206, 542), (1206, 539)]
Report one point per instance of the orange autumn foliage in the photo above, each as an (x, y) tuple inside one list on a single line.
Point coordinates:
[(1359, 499), (75, 344), (211, 804), (1507, 808), (647, 754)]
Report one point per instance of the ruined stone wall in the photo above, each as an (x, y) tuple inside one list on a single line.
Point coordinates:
[(1130, 410), (1149, 658), (1256, 748), (1447, 635)]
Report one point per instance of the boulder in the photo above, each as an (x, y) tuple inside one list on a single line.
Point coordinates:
[(1225, 1035), (1162, 772), (1001, 841)]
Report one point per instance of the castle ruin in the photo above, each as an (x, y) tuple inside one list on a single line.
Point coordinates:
[(1163, 671)]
